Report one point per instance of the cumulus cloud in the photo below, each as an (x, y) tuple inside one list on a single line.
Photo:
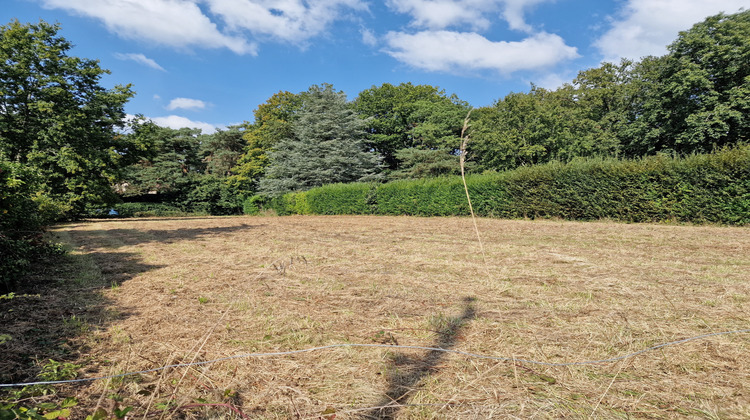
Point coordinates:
[(293, 21), (175, 23), (477, 14), (552, 81), (185, 103), (183, 24), (368, 37), (455, 52), (141, 59), (514, 10), (646, 27), (176, 122)]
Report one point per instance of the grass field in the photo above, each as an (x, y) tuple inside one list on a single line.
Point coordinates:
[(139, 294)]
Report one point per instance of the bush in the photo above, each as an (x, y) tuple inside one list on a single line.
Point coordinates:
[(18, 256), (150, 210), (355, 198), (212, 195), (710, 188), (21, 223), (254, 205)]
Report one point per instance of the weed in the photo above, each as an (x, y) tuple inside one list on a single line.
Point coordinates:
[(76, 324), (58, 371)]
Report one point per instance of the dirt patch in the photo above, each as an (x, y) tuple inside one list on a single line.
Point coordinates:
[(182, 290)]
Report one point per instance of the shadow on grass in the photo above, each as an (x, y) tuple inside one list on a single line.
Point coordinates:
[(50, 315), (55, 308), (114, 238), (405, 372)]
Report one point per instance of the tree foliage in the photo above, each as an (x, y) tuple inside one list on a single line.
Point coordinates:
[(273, 122), (410, 116), (697, 97), (57, 119), (326, 146), (172, 157), (222, 150)]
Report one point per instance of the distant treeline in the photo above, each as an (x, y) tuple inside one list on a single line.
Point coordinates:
[(695, 99)]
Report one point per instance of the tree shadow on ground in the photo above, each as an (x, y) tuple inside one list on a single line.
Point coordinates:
[(115, 238), (55, 307), (405, 372)]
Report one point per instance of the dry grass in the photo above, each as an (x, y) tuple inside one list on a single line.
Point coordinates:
[(205, 288)]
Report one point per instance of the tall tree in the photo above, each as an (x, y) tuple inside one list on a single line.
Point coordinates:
[(273, 122), (326, 146), (172, 160), (697, 97), (407, 116), (542, 125), (57, 119), (222, 150)]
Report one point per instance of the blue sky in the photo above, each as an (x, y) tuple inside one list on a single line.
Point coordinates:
[(210, 63)]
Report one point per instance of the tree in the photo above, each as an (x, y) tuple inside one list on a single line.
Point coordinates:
[(697, 97), (406, 116), (169, 165), (273, 122), (56, 119), (326, 146), (222, 150), (540, 126)]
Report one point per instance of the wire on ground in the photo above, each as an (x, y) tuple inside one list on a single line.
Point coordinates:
[(332, 346)]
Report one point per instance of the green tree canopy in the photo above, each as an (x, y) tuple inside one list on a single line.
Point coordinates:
[(697, 97), (408, 116), (273, 122), (326, 146), (540, 126), (222, 150), (56, 119), (173, 157)]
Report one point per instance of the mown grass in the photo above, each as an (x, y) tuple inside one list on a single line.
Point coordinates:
[(204, 288)]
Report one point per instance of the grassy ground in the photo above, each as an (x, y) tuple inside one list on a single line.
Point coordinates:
[(139, 294)]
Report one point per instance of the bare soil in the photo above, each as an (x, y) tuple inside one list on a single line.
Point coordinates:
[(153, 292)]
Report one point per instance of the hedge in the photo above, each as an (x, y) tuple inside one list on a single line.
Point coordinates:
[(145, 210), (710, 188)]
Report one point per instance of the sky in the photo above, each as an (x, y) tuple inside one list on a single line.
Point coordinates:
[(209, 63)]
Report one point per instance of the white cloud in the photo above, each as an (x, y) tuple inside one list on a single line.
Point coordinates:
[(646, 27), (141, 59), (441, 14), (552, 81), (514, 11), (456, 52), (175, 23), (288, 20), (368, 37), (185, 103), (176, 122), (181, 23)]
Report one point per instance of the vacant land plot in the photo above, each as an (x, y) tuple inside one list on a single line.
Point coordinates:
[(184, 290)]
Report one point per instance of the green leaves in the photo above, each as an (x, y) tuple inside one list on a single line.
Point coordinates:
[(327, 147), (407, 116), (711, 188), (56, 118)]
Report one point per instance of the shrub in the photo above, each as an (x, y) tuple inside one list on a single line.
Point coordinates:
[(254, 205), (212, 195), (150, 210), (710, 188), (355, 198)]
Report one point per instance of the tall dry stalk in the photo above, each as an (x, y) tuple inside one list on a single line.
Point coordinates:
[(462, 162)]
